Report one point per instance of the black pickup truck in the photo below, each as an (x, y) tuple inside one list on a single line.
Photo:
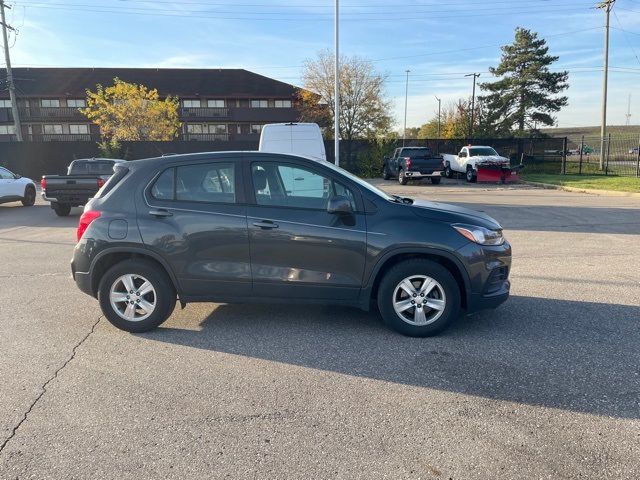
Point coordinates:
[(83, 180), (408, 163)]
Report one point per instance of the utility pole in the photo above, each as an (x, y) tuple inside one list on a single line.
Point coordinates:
[(473, 101), (628, 115), (439, 105), (12, 88), (406, 95), (606, 5), (336, 89)]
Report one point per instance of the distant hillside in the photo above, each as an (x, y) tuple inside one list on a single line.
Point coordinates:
[(573, 132)]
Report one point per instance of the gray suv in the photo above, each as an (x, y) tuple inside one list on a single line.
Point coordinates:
[(259, 227)]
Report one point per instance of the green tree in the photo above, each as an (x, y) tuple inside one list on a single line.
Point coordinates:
[(126, 111), (526, 92)]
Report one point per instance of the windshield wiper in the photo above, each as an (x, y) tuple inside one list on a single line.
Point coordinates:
[(405, 200)]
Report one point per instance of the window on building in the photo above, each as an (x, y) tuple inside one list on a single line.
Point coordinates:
[(218, 129), (259, 103), (256, 129), (52, 129), (7, 130), (81, 129), (195, 128), (215, 103), (50, 102), (5, 103), (283, 104), (191, 103), (76, 102)]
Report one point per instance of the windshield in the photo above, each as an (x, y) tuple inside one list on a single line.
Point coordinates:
[(359, 181), (482, 151)]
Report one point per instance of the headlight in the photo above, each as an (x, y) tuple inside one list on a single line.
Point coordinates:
[(480, 235)]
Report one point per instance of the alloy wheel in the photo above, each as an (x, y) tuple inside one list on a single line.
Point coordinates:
[(132, 297), (419, 300)]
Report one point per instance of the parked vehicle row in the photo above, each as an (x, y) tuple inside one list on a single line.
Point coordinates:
[(469, 159), (242, 227), (83, 180)]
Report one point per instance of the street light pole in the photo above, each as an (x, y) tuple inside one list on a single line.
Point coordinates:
[(406, 95), (473, 101), (607, 5), (439, 104), (336, 89)]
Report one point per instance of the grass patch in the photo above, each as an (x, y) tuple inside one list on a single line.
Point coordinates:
[(595, 182)]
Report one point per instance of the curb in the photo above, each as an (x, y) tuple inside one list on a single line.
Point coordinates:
[(610, 193)]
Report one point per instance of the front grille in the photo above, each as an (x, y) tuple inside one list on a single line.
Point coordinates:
[(496, 279)]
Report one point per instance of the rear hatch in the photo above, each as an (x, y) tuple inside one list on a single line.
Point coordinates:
[(423, 160)]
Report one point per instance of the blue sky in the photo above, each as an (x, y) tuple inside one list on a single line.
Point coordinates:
[(439, 41)]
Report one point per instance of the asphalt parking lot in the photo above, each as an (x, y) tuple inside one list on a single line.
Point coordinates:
[(546, 386)]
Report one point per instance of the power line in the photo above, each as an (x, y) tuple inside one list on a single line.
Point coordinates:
[(615, 15)]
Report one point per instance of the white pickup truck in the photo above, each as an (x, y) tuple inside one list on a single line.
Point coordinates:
[(469, 158)]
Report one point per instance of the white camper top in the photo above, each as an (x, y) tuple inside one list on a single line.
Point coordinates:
[(303, 139)]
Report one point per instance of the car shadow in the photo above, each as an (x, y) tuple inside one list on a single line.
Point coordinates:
[(577, 356)]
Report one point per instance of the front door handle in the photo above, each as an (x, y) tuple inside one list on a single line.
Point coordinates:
[(160, 212), (265, 224)]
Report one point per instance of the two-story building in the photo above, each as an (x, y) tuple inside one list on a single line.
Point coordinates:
[(215, 104)]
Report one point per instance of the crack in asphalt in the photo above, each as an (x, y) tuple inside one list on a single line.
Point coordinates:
[(44, 386)]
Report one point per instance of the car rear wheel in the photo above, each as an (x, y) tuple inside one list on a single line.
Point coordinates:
[(29, 196), (418, 298), (470, 175), (61, 209), (136, 296), (402, 178), (436, 180), (447, 171)]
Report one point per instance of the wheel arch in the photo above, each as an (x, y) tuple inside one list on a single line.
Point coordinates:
[(446, 259), (106, 259)]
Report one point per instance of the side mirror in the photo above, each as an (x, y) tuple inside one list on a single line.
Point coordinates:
[(340, 205), (17, 177)]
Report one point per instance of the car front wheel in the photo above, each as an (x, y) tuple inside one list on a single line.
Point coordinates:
[(29, 196), (470, 175), (418, 298), (136, 296)]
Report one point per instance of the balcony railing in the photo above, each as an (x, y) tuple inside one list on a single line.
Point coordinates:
[(50, 112), (206, 137), (61, 137), (204, 112)]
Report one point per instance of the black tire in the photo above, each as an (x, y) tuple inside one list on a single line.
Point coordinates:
[(29, 196), (470, 176), (385, 173), (407, 269), (436, 180), (402, 179), (165, 295), (447, 171), (61, 209)]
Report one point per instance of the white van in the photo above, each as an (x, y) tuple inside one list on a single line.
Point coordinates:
[(303, 139)]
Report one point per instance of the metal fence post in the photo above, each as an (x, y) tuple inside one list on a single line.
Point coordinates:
[(581, 150), (638, 160), (564, 156), (606, 168)]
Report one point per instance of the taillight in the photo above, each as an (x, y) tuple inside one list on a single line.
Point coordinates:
[(43, 183), (100, 183), (85, 220), (407, 161)]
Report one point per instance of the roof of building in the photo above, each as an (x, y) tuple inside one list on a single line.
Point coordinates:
[(181, 82)]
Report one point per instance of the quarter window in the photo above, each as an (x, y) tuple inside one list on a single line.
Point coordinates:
[(163, 187), (286, 185)]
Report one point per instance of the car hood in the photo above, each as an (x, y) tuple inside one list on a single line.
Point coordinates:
[(490, 158), (453, 214)]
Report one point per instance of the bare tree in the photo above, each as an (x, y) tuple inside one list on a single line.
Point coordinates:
[(364, 110)]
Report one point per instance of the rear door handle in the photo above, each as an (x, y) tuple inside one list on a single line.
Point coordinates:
[(265, 224), (160, 212)]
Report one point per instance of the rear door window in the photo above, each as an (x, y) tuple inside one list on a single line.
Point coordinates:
[(206, 182)]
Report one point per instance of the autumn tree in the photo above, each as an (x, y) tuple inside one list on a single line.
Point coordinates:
[(364, 109), (526, 92), (130, 112)]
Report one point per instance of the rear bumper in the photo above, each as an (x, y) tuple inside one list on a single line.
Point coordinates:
[(410, 174), (83, 281)]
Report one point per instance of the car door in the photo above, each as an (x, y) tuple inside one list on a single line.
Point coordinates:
[(9, 186), (299, 249), (195, 218), (462, 160)]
